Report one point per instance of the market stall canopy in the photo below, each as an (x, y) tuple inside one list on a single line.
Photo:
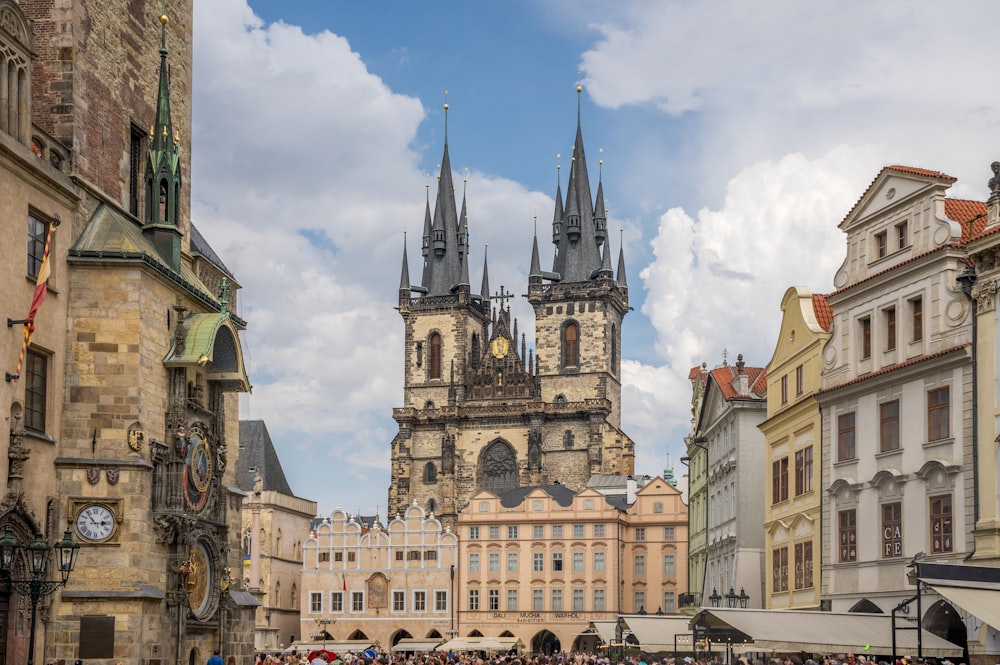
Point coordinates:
[(338, 646), (416, 644), (656, 633), (821, 632)]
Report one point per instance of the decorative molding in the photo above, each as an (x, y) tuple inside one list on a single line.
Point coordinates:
[(985, 294)]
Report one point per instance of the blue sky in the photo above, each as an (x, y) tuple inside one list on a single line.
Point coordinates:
[(735, 138)]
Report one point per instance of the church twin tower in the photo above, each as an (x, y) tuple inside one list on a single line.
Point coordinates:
[(481, 411)]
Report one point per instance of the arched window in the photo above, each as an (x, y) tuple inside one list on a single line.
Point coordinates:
[(571, 345), (498, 467), (431, 505), (276, 601), (435, 344), (430, 473), (295, 597), (474, 360)]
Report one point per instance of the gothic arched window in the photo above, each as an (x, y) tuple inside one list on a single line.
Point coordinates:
[(474, 360), (497, 467), (430, 473), (435, 364), (571, 345)]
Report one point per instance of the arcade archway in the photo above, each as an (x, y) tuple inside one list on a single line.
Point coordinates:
[(944, 621), (546, 643)]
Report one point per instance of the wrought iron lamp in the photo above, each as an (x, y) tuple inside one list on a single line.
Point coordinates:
[(715, 598), (37, 585)]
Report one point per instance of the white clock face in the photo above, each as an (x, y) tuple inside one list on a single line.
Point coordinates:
[(95, 523)]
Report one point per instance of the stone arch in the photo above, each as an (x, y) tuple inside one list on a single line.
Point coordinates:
[(357, 635), (865, 606), (545, 642), (569, 337), (399, 635), (506, 633), (434, 635), (475, 633), (944, 621), (497, 468)]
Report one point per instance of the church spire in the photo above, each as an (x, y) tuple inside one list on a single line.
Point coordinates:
[(606, 272), (444, 259), (578, 254), (462, 231), (600, 210), (535, 272), (484, 291), (622, 281), (425, 247), (404, 277), (161, 218), (557, 220)]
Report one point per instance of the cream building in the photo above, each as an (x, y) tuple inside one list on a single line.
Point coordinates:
[(792, 489), (368, 583), (538, 564), (726, 438), (275, 522), (897, 397)]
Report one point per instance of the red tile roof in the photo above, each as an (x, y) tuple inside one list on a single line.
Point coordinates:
[(893, 368), (969, 214), (756, 379), (899, 168), (823, 311)]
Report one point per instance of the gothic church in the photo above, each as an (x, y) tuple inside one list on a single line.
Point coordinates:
[(482, 411)]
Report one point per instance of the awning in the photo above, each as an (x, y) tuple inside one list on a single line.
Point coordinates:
[(983, 600), (604, 629), (656, 632), (823, 632), (339, 647), (415, 644)]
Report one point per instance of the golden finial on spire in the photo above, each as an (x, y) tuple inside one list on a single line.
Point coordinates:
[(164, 19)]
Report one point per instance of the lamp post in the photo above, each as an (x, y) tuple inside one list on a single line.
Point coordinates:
[(620, 637), (323, 622), (715, 598), (37, 586), (743, 599)]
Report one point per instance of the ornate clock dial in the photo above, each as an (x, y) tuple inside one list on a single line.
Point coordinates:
[(200, 581), (500, 346), (198, 470), (95, 523)]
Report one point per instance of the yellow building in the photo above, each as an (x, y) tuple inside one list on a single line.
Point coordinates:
[(540, 563), (792, 466)]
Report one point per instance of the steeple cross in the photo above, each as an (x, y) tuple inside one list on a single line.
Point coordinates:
[(502, 295)]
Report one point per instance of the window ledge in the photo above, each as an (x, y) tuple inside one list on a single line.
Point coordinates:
[(38, 436), (947, 441), (889, 453), (845, 462)]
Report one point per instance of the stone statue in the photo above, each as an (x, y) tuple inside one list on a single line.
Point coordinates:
[(995, 180), (258, 484)]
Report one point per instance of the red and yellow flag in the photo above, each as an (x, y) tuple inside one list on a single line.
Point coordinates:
[(41, 289)]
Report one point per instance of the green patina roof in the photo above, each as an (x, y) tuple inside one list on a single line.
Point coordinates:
[(199, 341), (111, 235)]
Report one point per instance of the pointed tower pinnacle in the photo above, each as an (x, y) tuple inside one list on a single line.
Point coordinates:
[(161, 218), (404, 277), (425, 247), (600, 211), (444, 260), (535, 272), (484, 291), (463, 241), (622, 281), (557, 219), (606, 271)]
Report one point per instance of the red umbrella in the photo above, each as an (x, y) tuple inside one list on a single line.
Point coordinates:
[(330, 656)]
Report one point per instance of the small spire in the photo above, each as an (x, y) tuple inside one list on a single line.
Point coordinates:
[(446, 117), (536, 264), (579, 97), (600, 210), (606, 272), (622, 280), (485, 290), (404, 278)]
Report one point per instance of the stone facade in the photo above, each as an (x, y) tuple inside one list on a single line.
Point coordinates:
[(481, 410), (792, 465), (126, 404)]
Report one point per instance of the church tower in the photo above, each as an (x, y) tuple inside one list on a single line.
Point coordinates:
[(483, 412), (578, 315)]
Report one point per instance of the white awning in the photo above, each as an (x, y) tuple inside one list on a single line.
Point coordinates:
[(981, 600), (415, 644), (656, 633), (824, 632), (339, 647)]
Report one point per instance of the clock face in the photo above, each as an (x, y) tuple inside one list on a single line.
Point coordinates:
[(198, 470), (95, 523), (200, 581), (500, 346)]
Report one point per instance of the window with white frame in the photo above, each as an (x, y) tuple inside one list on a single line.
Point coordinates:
[(440, 601), (357, 601), (578, 531), (537, 562), (557, 562), (494, 533), (598, 600), (337, 601), (669, 564), (473, 533), (511, 562), (557, 531), (577, 600), (598, 562), (315, 602), (398, 601), (473, 600), (577, 562), (473, 562), (493, 600), (538, 531), (669, 602), (511, 600), (512, 532), (419, 601), (639, 602), (557, 600), (639, 562), (537, 599), (598, 531), (494, 562)]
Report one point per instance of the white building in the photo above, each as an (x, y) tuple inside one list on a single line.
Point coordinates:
[(896, 397)]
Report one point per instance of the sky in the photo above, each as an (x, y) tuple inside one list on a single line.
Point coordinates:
[(734, 138)]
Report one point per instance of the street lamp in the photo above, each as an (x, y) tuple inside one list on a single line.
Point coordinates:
[(743, 598), (323, 622), (715, 598), (37, 586), (731, 598)]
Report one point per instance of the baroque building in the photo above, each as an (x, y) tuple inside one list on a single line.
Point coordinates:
[(122, 406), (480, 410), (897, 396), (792, 453)]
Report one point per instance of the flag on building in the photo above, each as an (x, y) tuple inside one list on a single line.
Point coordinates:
[(345, 580), (41, 290)]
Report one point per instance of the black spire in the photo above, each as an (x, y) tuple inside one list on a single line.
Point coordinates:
[(535, 272), (605, 271), (485, 290), (444, 259), (404, 278), (622, 281), (577, 252), (425, 247)]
